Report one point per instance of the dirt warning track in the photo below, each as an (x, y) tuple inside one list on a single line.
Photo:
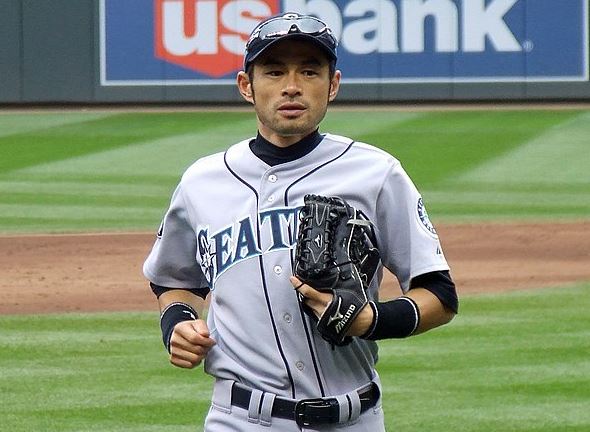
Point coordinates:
[(102, 272)]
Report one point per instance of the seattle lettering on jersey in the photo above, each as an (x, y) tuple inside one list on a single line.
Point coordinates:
[(228, 246)]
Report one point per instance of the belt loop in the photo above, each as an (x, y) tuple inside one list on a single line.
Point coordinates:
[(344, 407), (222, 395), (268, 400), (355, 405), (254, 407)]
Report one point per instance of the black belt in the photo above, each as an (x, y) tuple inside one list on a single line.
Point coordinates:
[(306, 412)]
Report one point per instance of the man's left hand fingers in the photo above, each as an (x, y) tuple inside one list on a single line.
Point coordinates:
[(315, 299), (297, 284), (305, 290)]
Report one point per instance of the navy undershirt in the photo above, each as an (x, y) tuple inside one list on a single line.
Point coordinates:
[(274, 155)]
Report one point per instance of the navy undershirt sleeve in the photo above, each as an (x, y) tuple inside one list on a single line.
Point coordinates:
[(441, 285), (159, 290)]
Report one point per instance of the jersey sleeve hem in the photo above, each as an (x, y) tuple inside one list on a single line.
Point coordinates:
[(432, 268), (169, 283), (423, 270)]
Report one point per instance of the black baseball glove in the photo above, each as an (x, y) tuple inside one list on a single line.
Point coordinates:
[(336, 253)]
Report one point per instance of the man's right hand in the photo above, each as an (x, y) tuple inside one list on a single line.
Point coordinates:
[(189, 344)]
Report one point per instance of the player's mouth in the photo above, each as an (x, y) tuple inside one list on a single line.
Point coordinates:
[(291, 109)]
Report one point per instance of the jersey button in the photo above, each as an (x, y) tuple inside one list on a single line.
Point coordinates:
[(287, 317), (271, 198), (272, 178), (300, 365), (278, 269)]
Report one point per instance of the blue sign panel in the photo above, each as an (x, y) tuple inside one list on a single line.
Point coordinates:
[(191, 42)]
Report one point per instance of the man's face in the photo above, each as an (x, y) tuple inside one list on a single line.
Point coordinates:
[(290, 90)]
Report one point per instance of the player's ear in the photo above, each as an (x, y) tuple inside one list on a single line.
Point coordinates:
[(334, 85), (245, 86)]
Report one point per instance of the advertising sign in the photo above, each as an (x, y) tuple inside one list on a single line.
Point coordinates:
[(193, 42)]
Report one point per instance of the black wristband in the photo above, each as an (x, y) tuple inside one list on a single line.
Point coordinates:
[(172, 315), (397, 319)]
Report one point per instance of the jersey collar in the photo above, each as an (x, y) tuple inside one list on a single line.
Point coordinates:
[(274, 155)]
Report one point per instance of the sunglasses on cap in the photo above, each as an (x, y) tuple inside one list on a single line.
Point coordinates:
[(288, 25)]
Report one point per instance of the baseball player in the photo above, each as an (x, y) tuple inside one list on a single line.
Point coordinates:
[(229, 235)]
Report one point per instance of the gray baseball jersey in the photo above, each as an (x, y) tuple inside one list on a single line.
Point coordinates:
[(232, 226)]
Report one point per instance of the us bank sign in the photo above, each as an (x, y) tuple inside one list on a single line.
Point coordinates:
[(192, 42)]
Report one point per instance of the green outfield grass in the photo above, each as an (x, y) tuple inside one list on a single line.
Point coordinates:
[(88, 171), (509, 362), (514, 362)]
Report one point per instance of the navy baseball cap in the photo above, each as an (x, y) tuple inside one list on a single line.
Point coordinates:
[(289, 26)]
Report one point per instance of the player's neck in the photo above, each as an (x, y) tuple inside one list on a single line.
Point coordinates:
[(274, 155), (283, 141)]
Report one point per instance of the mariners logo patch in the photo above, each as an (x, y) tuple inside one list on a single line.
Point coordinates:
[(207, 257), (423, 216)]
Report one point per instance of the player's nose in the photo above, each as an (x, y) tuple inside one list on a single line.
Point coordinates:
[(292, 86)]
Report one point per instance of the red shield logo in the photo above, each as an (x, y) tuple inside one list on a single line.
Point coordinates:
[(207, 36)]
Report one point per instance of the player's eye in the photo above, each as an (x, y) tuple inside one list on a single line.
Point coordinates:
[(310, 72)]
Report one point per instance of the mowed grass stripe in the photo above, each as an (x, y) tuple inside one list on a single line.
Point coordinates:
[(524, 187), (141, 172), (92, 372), (70, 179), (490, 203), (435, 148), (545, 176), (170, 155), (111, 181), (13, 123), (70, 140), (561, 155), (110, 199), (80, 212), (441, 145), (528, 199), (448, 213), (41, 190), (39, 224), (355, 125), (516, 362)]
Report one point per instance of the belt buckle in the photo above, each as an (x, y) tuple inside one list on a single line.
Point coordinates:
[(310, 412)]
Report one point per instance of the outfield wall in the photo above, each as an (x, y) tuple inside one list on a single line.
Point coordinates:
[(188, 51)]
